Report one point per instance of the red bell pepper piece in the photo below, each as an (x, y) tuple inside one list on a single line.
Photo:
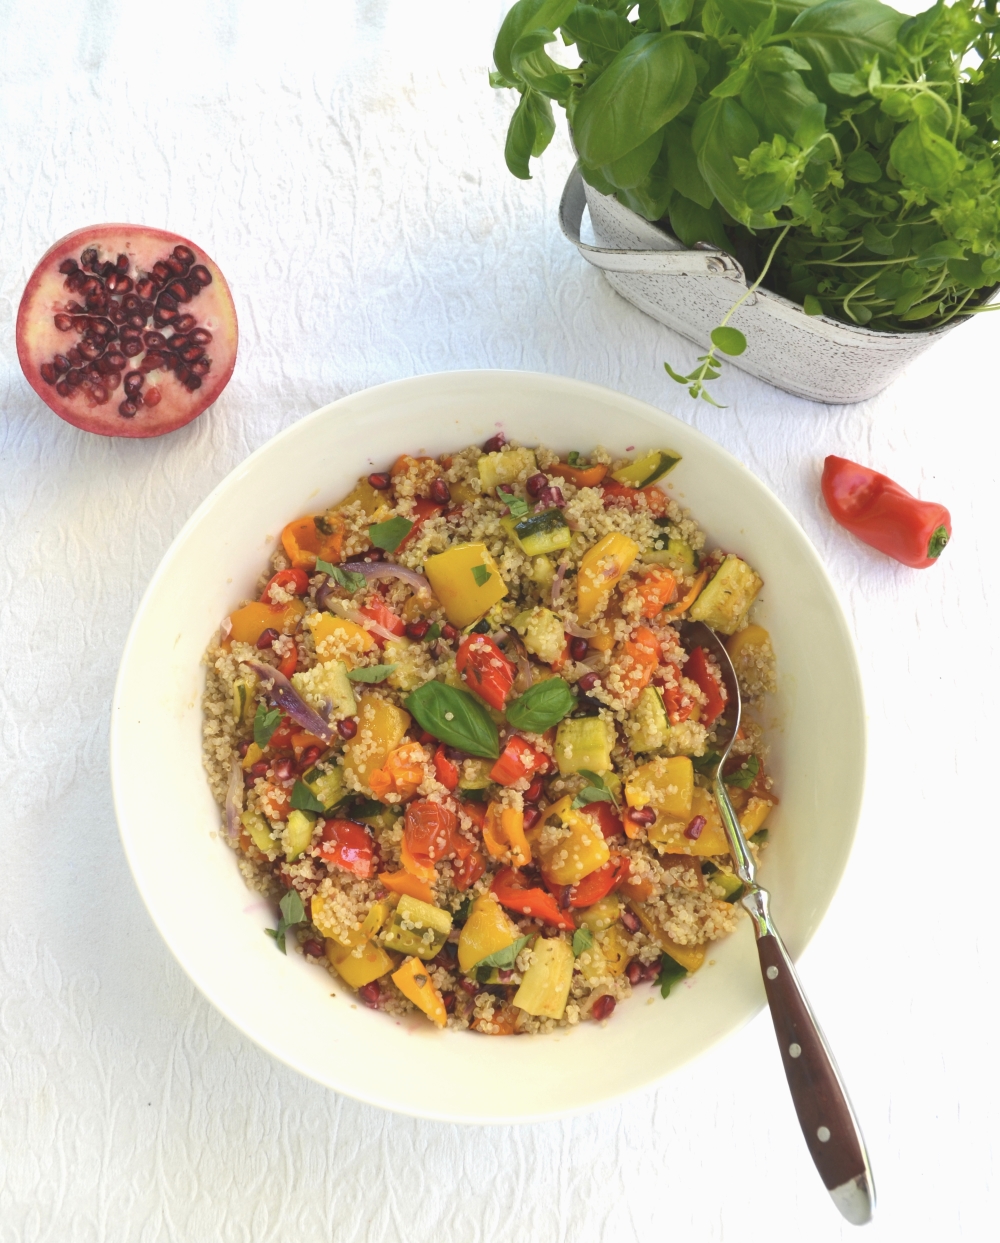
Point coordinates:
[(382, 615), (884, 515), (295, 581), (516, 893), (348, 845), (517, 760), (600, 883), (620, 493), (606, 816), (431, 830), (469, 864), (445, 770), (485, 669), (290, 661), (697, 670), (422, 510)]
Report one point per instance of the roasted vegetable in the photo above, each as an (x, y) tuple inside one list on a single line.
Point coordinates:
[(544, 988), (414, 982), (417, 928), (725, 602), (601, 568), (584, 742), (466, 581), (539, 533)]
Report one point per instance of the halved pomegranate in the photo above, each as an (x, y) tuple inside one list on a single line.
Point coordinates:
[(125, 330)]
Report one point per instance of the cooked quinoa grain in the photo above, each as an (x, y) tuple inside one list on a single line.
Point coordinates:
[(457, 720)]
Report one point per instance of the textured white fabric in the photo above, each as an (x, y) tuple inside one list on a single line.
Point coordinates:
[(343, 163)]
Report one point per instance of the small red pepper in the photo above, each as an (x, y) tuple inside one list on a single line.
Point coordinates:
[(485, 669), (698, 671), (445, 770), (600, 883), (348, 845), (606, 816), (517, 760), (884, 515), (656, 498), (295, 581), (512, 890)]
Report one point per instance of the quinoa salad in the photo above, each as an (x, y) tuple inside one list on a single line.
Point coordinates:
[(457, 740)]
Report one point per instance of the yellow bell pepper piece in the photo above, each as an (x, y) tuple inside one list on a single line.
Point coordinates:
[(487, 930), (756, 812), (250, 622), (405, 882), (372, 501), (381, 726), (575, 854), (338, 638), (601, 568), (358, 966), (503, 830), (466, 581), (414, 982), (668, 835), (666, 785), (690, 957), (608, 954), (504, 467), (252, 756)]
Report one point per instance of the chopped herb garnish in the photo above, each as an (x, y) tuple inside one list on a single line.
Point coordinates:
[(464, 910), (504, 959), (433, 633), (292, 913), (481, 574), (370, 673), (303, 798), (670, 972), (350, 580), (390, 534), (596, 791), (572, 458), (744, 776), (264, 725), (583, 939), (322, 525), (518, 507)]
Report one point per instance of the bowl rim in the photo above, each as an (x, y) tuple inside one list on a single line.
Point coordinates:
[(230, 480)]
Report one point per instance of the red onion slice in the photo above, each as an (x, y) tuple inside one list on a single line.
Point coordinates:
[(578, 632), (386, 569), (234, 802), (284, 696), (226, 629), (371, 625), (557, 582)]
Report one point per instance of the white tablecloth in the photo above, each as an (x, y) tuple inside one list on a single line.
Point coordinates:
[(344, 165)]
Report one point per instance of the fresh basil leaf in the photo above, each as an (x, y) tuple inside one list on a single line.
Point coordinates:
[(722, 131), (591, 794), (456, 717), (670, 972), (350, 580), (390, 534), (729, 340), (518, 507), (599, 34), (541, 706), (292, 908), (371, 673), (481, 574), (744, 776), (705, 763), (583, 939), (264, 725), (433, 633), (840, 36), (646, 85), (924, 156), (303, 798), (504, 959), (524, 16), (692, 223), (572, 458), (598, 783)]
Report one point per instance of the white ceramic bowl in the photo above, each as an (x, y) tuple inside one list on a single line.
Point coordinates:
[(188, 877)]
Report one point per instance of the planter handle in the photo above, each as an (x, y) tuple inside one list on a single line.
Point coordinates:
[(671, 261)]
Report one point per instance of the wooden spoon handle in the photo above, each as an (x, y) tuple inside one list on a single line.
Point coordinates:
[(825, 1114)]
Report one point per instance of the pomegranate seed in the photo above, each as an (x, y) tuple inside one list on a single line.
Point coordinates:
[(440, 493), (651, 972), (578, 649), (145, 288), (370, 994), (166, 303), (152, 397), (112, 282), (133, 382), (644, 816), (417, 629), (127, 409), (191, 354), (161, 271), (64, 389), (495, 443), (63, 322), (630, 920), (154, 340), (693, 831), (147, 307), (633, 972), (259, 769), (379, 482), (137, 320), (67, 266), (178, 290), (100, 327), (531, 816), (99, 394), (113, 381), (267, 636), (131, 347), (284, 770), (348, 727), (469, 986), (313, 948), (535, 791), (163, 316), (588, 682), (116, 314), (449, 1002), (537, 484), (603, 1007), (551, 497), (123, 284), (88, 258), (202, 366), (107, 269), (192, 382), (74, 376), (201, 274), (121, 263), (310, 755), (449, 633), (60, 363), (48, 373), (115, 360), (184, 323), (201, 336), (185, 254), (152, 362), (90, 350)]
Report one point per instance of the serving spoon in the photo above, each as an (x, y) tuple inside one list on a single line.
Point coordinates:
[(831, 1131)]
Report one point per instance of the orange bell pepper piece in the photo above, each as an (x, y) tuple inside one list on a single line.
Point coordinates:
[(640, 656), (407, 883), (305, 539), (401, 774), (250, 622), (582, 476), (656, 589), (694, 592), (503, 830)]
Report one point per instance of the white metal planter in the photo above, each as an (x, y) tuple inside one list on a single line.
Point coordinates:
[(690, 290)]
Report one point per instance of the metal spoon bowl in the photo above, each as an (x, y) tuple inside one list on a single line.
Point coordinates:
[(829, 1126)]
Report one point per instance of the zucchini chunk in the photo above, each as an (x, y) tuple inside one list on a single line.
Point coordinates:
[(539, 533), (726, 600), (648, 468)]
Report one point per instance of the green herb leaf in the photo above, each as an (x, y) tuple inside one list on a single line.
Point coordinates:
[(705, 763), (303, 798), (350, 580), (264, 725), (481, 574), (456, 717), (518, 507), (583, 939), (541, 706), (670, 972), (433, 633), (504, 959), (292, 913), (390, 534), (744, 776), (730, 340), (812, 305), (598, 791), (464, 910), (572, 457), (371, 673)]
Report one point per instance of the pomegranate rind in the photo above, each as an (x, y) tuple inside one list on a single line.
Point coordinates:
[(38, 339)]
